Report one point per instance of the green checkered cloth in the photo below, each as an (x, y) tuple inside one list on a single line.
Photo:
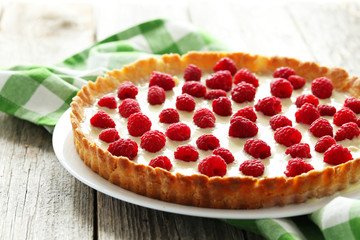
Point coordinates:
[(41, 94)]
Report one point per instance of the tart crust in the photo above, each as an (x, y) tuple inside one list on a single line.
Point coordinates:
[(200, 190)]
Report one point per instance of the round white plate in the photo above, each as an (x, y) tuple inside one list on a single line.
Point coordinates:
[(68, 157)]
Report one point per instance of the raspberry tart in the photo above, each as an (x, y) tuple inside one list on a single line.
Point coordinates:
[(222, 130)]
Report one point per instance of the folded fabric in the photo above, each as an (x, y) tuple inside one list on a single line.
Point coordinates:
[(41, 94)]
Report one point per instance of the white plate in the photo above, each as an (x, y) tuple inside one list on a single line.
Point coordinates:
[(68, 157)]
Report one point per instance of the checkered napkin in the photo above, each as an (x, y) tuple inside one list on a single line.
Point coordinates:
[(41, 94)]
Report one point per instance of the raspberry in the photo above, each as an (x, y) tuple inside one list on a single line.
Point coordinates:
[(138, 124), (207, 142), (347, 131), (220, 80), (296, 81), (257, 148), (242, 128), (153, 141), (163, 80), (326, 110), (324, 143), (246, 112), (156, 95), (252, 167), (269, 106), (243, 92), (214, 94), (300, 150), (169, 115), (192, 73), (186, 153), (321, 127), (102, 120), (283, 72), (185, 102), (128, 107), (297, 166), (195, 89), (212, 165), (178, 132), (306, 98), (124, 148), (322, 87), (161, 162), (109, 135), (353, 104), (307, 114), (226, 64), (279, 121), (343, 116), (225, 154), (337, 154), (281, 88), (127, 90), (107, 101), (244, 75), (204, 118), (287, 136), (222, 106)]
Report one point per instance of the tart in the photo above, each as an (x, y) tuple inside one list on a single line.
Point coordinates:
[(263, 166)]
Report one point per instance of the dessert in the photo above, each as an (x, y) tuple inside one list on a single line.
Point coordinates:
[(244, 142)]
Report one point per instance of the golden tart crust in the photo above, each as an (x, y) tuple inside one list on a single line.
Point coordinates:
[(200, 190)]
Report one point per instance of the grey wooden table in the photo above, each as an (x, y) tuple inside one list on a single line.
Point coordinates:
[(41, 200)]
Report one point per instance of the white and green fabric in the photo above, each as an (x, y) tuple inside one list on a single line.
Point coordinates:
[(41, 94)]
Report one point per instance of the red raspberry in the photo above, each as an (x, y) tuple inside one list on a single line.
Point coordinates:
[(269, 106), (296, 81), (138, 124), (127, 90), (186, 153), (252, 167), (243, 92), (244, 75), (207, 142), (324, 143), (257, 148), (107, 101), (169, 115), (102, 120), (337, 154), (222, 106), (124, 148), (287, 136), (321, 127), (226, 63), (358, 122), (185, 102), (343, 116), (353, 104), (163, 80), (220, 80), (300, 150), (326, 110), (128, 107), (242, 128), (192, 73), (281, 88), (279, 121), (347, 131), (204, 118), (214, 94), (322, 87), (156, 95), (297, 166), (225, 154), (212, 165), (153, 141), (307, 114), (178, 132), (161, 162), (306, 98), (283, 72), (109, 135), (246, 112), (195, 89)]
